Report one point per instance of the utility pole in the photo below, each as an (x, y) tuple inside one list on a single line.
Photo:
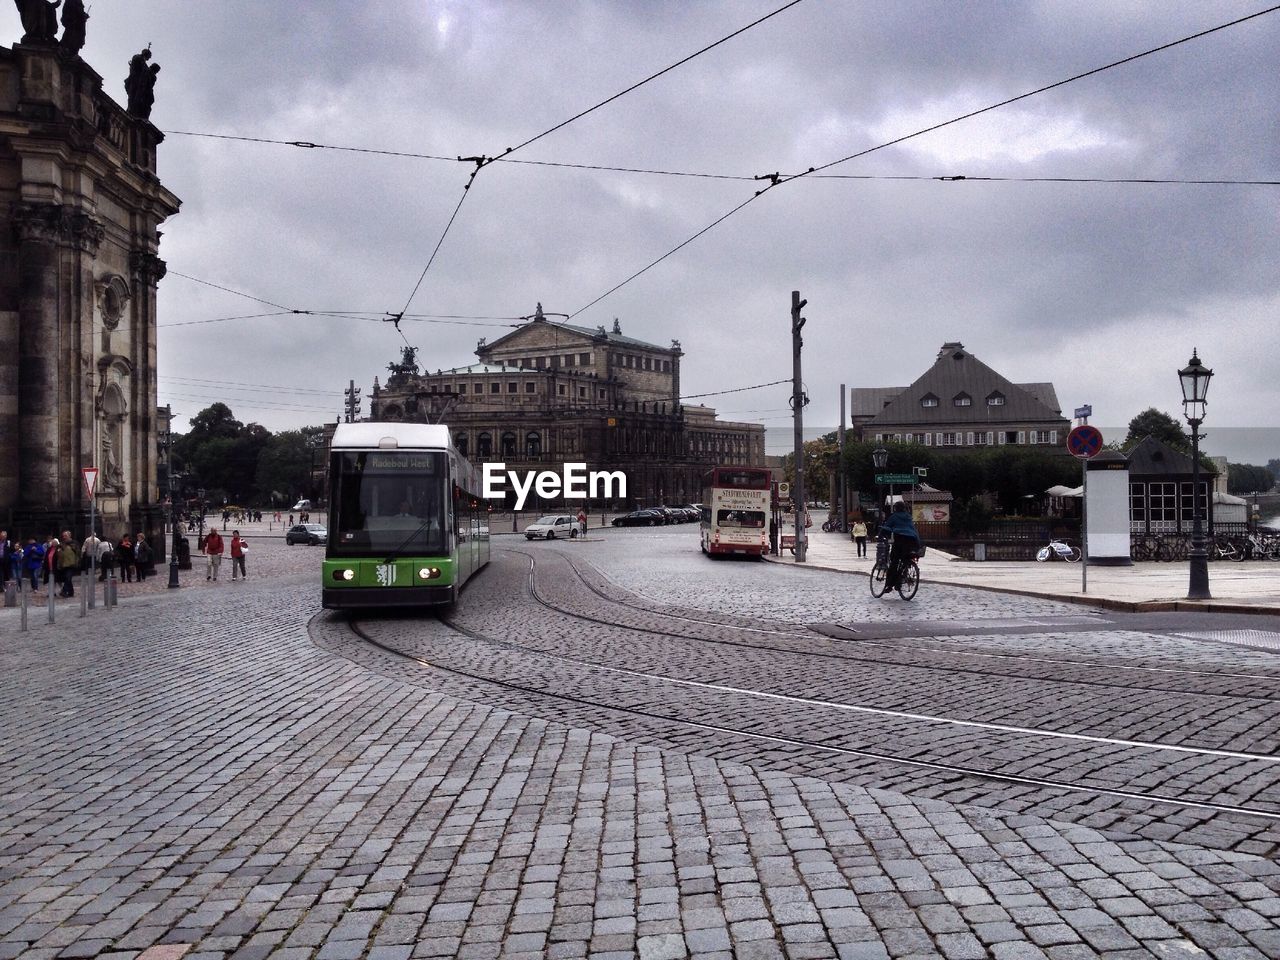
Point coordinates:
[(798, 403), (353, 401)]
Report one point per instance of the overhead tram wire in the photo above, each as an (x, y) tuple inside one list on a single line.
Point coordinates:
[(719, 393), (482, 161), (777, 179), (702, 175), (1040, 90)]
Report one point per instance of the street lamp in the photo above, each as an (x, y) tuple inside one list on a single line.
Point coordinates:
[(880, 458), (1195, 385)]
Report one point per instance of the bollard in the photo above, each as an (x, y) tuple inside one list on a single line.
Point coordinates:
[(23, 626), (11, 594), (91, 584), (84, 599), (49, 587), (109, 598)]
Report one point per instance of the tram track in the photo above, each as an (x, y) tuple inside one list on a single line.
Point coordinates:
[(911, 658), (1266, 817), (1131, 761)]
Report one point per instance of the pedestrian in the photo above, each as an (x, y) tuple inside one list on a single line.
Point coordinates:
[(291, 519), (7, 547), (68, 564), (124, 557), (51, 560), (582, 521), (106, 560), (213, 549), (33, 561), (238, 549), (142, 557), (859, 534), (89, 552)]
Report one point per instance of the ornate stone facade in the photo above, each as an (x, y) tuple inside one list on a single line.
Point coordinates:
[(548, 393), (79, 266)]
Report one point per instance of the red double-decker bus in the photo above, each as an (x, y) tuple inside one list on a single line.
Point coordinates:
[(735, 511)]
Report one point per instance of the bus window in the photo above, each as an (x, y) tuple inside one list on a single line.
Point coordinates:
[(751, 519)]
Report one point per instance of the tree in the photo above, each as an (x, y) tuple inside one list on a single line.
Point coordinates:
[(284, 465), (1153, 423), (821, 458), (1245, 478)]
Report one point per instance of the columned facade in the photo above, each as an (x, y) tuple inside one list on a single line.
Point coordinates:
[(79, 267)]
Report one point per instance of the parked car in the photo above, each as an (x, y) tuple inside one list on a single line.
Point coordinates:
[(301, 505), (678, 514), (309, 533), (550, 527), (639, 518)]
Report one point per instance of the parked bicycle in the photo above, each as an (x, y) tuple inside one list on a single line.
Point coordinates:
[(908, 577), (1058, 550)]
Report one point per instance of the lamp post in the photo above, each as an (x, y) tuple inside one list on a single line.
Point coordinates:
[(1195, 385), (173, 518), (880, 458)]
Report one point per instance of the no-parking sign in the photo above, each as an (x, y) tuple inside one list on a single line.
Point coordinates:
[(1084, 442)]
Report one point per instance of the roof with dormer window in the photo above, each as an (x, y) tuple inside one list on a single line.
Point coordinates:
[(956, 372)]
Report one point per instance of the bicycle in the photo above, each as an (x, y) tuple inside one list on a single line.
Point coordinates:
[(1060, 550), (909, 579)]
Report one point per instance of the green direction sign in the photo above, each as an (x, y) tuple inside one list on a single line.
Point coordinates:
[(895, 478)]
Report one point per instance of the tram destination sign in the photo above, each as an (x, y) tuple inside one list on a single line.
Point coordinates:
[(895, 478)]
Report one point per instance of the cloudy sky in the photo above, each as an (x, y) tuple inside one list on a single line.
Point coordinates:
[(1102, 288)]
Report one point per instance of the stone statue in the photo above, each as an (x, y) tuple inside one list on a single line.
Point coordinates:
[(140, 85), (39, 20), (74, 17), (408, 363), (112, 476)]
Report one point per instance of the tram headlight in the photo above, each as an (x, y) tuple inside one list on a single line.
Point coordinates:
[(344, 574), (429, 573)]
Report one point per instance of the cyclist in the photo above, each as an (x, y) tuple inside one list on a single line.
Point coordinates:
[(906, 541)]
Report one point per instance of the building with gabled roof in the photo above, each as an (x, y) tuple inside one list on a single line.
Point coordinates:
[(548, 393), (960, 402)]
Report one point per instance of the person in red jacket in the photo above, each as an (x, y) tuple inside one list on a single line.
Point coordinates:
[(238, 549), (213, 549)]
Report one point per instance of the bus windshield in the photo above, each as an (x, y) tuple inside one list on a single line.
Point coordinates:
[(388, 503)]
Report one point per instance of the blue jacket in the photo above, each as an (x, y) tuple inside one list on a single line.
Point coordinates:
[(900, 525), (33, 556)]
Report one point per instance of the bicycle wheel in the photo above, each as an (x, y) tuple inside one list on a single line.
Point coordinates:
[(1237, 551), (1072, 555), (878, 574), (910, 581), (1043, 554)]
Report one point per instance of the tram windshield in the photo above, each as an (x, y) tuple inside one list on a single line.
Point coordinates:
[(388, 503)]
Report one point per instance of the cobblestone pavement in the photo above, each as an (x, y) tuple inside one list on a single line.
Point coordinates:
[(224, 771)]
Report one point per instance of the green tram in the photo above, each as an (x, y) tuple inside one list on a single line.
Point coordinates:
[(407, 527)]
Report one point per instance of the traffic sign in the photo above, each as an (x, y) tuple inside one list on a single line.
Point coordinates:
[(1084, 442), (1085, 412), (784, 490), (895, 478), (90, 477)]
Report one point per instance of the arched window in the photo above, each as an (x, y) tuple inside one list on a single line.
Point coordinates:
[(533, 445), (508, 444), (484, 446), (460, 441)]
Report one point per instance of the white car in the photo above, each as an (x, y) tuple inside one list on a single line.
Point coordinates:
[(550, 527)]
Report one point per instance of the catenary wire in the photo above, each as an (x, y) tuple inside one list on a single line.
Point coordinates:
[(717, 393), (777, 179), (1039, 90), (608, 168), (274, 388), (481, 161), (641, 83)]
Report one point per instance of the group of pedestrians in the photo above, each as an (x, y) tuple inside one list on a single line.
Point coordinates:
[(58, 560), (214, 547)]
